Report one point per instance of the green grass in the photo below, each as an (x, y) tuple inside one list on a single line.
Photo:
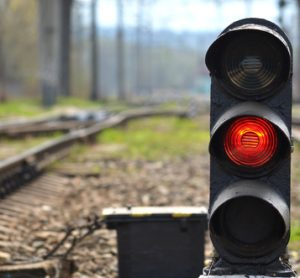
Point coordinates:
[(77, 151), (296, 110), (169, 105), (295, 224), (158, 138), (294, 243), (28, 108), (295, 231), (33, 108), (23, 108), (77, 102), (10, 147)]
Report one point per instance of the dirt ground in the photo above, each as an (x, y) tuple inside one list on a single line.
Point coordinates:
[(97, 180), (180, 182)]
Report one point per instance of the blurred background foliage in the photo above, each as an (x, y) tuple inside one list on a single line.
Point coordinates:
[(18, 49), (162, 49)]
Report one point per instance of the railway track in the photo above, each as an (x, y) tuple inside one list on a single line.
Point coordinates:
[(20, 169), (119, 182), (21, 243), (43, 194), (27, 250), (62, 123)]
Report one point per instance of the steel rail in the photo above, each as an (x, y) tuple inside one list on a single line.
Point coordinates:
[(19, 169)]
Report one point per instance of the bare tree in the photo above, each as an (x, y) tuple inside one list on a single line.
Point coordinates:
[(149, 49), (65, 42), (120, 51), (296, 91), (139, 47), (144, 47), (281, 7), (2, 52), (95, 93)]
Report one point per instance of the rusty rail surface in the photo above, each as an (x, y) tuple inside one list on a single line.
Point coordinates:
[(44, 128), (61, 123)]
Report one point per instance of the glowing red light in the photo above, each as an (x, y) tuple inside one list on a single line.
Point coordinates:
[(250, 141)]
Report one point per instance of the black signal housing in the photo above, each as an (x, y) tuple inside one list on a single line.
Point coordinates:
[(250, 64)]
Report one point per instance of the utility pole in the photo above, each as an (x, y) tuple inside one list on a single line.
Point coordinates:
[(95, 94), (49, 50), (120, 51), (54, 49)]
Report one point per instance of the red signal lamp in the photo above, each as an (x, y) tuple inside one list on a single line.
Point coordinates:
[(250, 141)]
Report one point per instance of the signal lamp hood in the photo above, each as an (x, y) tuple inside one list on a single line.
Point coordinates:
[(251, 58)]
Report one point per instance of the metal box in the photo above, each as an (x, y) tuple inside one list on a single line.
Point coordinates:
[(154, 242)]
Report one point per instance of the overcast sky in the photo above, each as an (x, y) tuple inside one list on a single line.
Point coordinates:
[(195, 15)]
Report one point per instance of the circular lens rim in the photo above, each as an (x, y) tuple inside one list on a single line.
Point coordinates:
[(216, 52), (257, 189), (266, 133), (236, 246), (217, 150)]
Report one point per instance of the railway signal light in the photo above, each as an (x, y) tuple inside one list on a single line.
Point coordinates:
[(251, 72)]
